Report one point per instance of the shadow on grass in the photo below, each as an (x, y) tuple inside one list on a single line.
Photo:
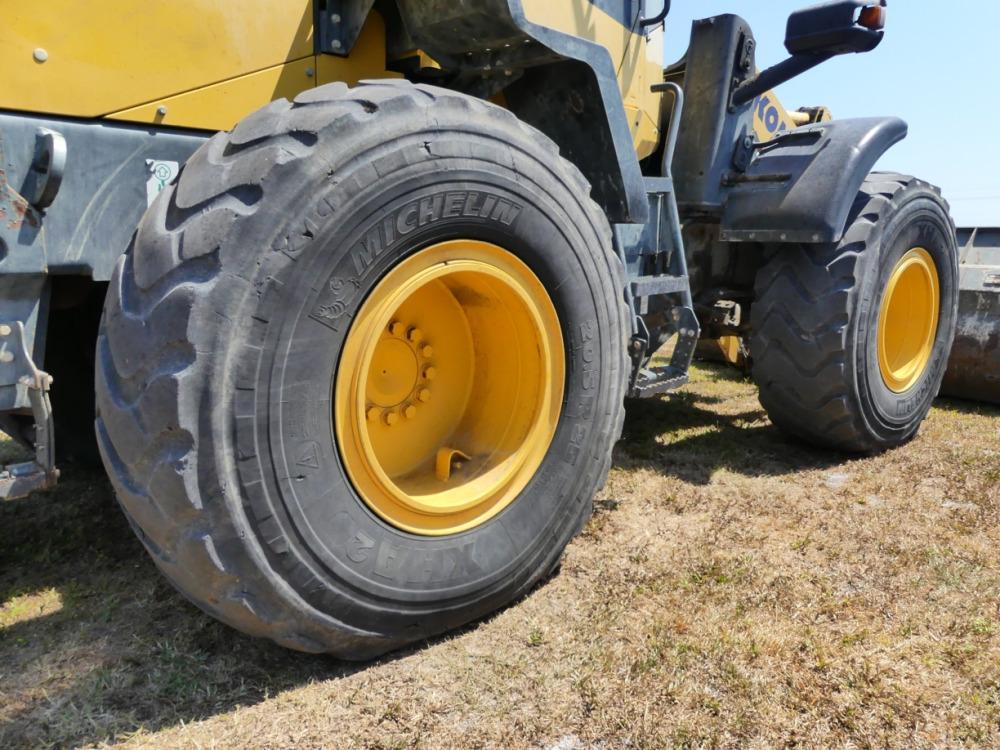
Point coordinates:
[(969, 408), (121, 651), (124, 651), (686, 435)]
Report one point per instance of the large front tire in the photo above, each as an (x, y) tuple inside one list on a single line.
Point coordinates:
[(225, 344), (851, 340)]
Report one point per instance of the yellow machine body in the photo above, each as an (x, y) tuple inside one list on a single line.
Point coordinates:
[(207, 63), (200, 64)]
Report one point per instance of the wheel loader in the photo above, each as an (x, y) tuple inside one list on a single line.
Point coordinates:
[(363, 286)]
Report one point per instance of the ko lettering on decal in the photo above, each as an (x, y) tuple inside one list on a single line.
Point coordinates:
[(767, 113)]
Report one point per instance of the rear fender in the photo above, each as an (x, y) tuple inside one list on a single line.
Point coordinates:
[(800, 186)]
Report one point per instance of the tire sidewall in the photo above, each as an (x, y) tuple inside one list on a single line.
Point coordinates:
[(318, 534), (918, 222)]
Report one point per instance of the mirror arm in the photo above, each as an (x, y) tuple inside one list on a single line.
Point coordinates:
[(776, 75), (658, 18)]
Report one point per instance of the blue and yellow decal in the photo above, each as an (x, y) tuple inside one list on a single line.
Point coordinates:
[(769, 117)]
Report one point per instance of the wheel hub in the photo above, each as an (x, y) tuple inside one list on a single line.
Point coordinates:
[(394, 373), (449, 388), (908, 320)]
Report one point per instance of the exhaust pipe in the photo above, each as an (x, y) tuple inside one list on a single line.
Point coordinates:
[(974, 368)]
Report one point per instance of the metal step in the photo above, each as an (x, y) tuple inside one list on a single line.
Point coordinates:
[(20, 480), (657, 380), (650, 286)]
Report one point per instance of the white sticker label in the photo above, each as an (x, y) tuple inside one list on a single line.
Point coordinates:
[(160, 175)]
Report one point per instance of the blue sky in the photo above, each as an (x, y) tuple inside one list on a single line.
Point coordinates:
[(938, 68)]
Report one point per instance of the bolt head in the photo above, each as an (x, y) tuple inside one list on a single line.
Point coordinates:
[(430, 373), (5, 330), (415, 335), (373, 414), (424, 395), (336, 44), (410, 411), (40, 55), (390, 418), (427, 351), (6, 356), (396, 328), (161, 110)]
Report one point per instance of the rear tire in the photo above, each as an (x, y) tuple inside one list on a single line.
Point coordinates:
[(219, 352), (816, 321)]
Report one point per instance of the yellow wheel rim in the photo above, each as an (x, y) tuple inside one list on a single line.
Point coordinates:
[(908, 320), (449, 388)]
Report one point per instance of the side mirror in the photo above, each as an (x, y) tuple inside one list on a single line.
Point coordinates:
[(836, 28), (816, 34)]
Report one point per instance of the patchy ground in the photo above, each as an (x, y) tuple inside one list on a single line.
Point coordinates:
[(734, 589)]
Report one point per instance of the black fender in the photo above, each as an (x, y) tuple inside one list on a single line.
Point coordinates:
[(800, 186), (565, 86)]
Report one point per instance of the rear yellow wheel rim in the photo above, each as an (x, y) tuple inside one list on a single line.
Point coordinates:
[(449, 388), (908, 320)]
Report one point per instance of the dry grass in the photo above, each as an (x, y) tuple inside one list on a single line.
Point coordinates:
[(734, 589)]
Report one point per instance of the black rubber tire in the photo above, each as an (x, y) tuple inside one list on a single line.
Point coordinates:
[(815, 320), (219, 346)]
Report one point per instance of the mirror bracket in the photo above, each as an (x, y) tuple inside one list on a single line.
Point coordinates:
[(816, 34)]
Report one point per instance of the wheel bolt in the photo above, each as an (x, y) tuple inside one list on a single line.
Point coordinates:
[(372, 414), (396, 328), (427, 351), (430, 373), (391, 418), (415, 335), (424, 395), (410, 411)]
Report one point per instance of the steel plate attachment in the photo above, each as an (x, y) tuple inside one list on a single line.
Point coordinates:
[(974, 366)]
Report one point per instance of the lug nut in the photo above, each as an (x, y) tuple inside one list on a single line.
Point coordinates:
[(427, 351), (424, 395), (391, 418), (396, 328), (410, 411), (415, 335), (372, 414), (430, 373)]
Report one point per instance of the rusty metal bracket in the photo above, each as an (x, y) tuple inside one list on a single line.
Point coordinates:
[(21, 479)]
